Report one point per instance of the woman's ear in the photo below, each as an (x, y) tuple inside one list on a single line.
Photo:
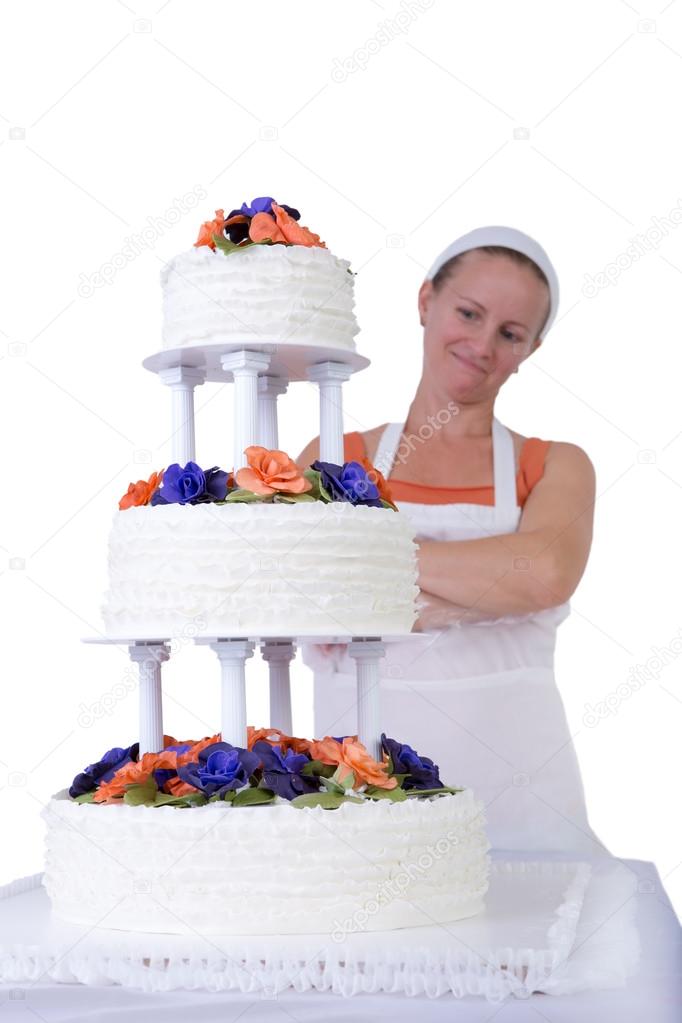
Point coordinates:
[(423, 299)]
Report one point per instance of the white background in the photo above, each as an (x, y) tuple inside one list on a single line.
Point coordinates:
[(393, 127)]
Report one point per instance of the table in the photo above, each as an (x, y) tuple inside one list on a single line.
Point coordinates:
[(653, 995)]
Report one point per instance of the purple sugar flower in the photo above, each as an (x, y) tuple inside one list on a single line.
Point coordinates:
[(103, 770), (263, 204), (421, 772), (282, 771)]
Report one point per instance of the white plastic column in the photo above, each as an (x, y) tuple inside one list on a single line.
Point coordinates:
[(149, 657), (269, 389), (330, 376), (233, 654), (367, 654), (245, 367), (182, 380), (278, 654)]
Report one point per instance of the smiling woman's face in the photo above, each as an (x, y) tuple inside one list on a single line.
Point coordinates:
[(480, 324)]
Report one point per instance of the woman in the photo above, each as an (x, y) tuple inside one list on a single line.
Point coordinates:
[(504, 527)]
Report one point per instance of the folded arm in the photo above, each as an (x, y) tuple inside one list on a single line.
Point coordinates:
[(537, 567)]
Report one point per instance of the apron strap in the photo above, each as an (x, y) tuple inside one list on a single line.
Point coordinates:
[(387, 448), (504, 462), (504, 468)]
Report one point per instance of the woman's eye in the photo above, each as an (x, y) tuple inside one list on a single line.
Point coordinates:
[(467, 312), (510, 336)]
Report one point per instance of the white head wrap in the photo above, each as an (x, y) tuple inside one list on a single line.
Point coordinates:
[(511, 239)]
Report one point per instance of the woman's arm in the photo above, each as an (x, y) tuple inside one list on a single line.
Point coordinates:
[(537, 567), (309, 454)]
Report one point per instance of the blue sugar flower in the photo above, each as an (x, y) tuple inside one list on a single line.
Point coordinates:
[(191, 485), (348, 482), (221, 768)]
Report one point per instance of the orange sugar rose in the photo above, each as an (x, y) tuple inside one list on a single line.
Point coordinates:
[(367, 770), (293, 232), (270, 472), (140, 493), (191, 755), (209, 228), (282, 229), (134, 773), (262, 227), (178, 787), (276, 738), (327, 750)]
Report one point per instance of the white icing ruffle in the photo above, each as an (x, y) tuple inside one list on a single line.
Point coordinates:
[(266, 294), (312, 569), (274, 869)]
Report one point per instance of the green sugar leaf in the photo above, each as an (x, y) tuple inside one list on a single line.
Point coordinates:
[(282, 498), (251, 796), (327, 800), (396, 795), (445, 791), (85, 797), (244, 497), (141, 794), (191, 799), (318, 769)]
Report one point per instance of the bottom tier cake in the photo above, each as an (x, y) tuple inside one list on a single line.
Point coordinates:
[(275, 869)]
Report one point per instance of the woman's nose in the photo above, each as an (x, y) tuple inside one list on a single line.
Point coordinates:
[(483, 342)]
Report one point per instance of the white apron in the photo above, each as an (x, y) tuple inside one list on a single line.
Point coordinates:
[(480, 699)]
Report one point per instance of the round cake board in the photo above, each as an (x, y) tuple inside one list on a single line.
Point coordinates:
[(289, 361), (294, 638), (555, 927)]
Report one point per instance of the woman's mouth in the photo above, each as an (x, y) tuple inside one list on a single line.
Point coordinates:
[(470, 365)]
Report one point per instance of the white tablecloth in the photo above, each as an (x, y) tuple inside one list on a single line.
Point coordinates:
[(653, 995)]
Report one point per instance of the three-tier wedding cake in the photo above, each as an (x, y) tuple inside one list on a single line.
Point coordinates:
[(257, 831)]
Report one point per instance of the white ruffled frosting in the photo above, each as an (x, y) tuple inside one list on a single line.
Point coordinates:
[(284, 294), (276, 869), (260, 569)]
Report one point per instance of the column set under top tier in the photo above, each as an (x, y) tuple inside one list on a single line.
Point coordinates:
[(256, 390)]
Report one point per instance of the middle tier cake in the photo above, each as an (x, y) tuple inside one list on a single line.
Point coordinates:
[(260, 569)]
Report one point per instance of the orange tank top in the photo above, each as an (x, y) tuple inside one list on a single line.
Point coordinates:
[(531, 468)]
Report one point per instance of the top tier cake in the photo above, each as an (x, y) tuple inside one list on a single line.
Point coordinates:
[(284, 287), (263, 547)]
